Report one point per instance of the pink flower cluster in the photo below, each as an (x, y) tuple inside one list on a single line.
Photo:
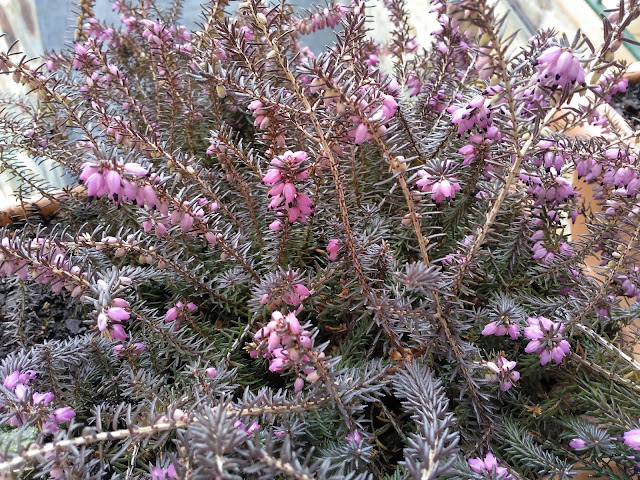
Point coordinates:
[(179, 313), (159, 35), (265, 117), (285, 197), (329, 17), (439, 186), (476, 114), (478, 147), (287, 346), (546, 339), (85, 55), (489, 465), (501, 327), (168, 473), (375, 116), (559, 67), (503, 371), (110, 319), (290, 292), (57, 272), (545, 250), (39, 403), (553, 191), (117, 181)]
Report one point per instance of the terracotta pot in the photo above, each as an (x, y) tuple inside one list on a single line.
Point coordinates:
[(44, 206)]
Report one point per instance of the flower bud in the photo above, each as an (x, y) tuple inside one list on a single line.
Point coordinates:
[(261, 18)]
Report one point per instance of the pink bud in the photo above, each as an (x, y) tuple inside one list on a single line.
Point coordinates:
[(42, 398), (192, 307), (293, 323), (120, 302), (275, 225), (272, 176), (117, 332), (301, 290), (289, 191), (12, 380), (113, 180), (211, 238), (118, 314), (211, 372), (313, 377), (171, 315), (360, 134), (274, 341), (63, 414)]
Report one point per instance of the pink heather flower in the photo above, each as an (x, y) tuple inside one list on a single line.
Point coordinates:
[(546, 339), (333, 248), (43, 398), (354, 437), (103, 321), (285, 194), (503, 371), (63, 414), (211, 372), (135, 169), (168, 473), (21, 390), (438, 186), (117, 332), (499, 329), (12, 380), (558, 67), (242, 427), (192, 307), (293, 323), (577, 444), (179, 313), (171, 315), (475, 114), (632, 438), (275, 225), (118, 314), (414, 84), (489, 465)]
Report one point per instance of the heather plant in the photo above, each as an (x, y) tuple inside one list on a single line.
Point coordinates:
[(290, 264)]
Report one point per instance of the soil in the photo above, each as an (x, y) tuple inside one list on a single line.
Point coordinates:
[(628, 104), (46, 316)]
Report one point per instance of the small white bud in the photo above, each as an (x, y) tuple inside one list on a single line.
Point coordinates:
[(261, 18)]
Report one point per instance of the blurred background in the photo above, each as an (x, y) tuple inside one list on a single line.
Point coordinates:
[(46, 25)]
